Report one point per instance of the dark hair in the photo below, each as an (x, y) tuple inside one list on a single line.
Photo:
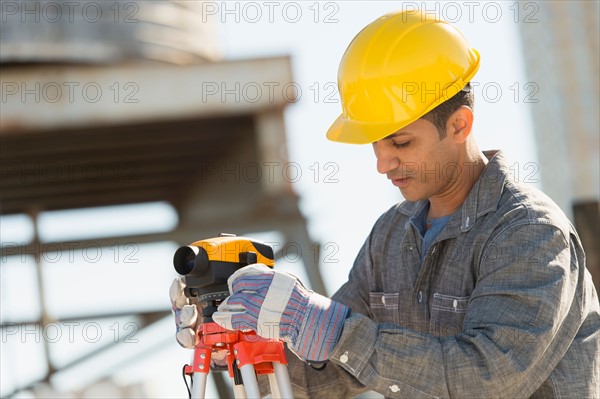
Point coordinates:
[(440, 114)]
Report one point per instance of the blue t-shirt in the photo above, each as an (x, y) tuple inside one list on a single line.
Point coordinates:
[(429, 229)]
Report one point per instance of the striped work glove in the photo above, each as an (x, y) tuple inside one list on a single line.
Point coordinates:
[(276, 305)]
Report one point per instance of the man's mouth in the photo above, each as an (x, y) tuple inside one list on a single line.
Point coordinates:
[(401, 182)]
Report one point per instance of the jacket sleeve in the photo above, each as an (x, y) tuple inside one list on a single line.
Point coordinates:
[(521, 318)]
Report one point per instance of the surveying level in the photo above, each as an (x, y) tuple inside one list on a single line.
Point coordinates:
[(206, 265)]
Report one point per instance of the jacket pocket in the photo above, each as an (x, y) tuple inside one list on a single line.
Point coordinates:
[(384, 307), (447, 314)]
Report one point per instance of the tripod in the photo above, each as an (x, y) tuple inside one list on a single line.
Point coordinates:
[(248, 355), (207, 265)]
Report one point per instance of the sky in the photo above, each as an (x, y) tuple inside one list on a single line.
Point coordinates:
[(340, 190)]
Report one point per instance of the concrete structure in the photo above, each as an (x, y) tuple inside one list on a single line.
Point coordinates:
[(106, 32), (561, 50)]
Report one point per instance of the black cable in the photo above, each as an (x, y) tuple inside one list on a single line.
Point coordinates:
[(186, 383)]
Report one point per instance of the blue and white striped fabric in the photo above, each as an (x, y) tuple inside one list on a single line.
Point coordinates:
[(276, 305)]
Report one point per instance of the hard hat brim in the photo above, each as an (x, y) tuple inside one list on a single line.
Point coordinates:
[(345, 130)]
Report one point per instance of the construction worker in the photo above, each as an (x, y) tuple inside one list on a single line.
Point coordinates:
[(474, 287)]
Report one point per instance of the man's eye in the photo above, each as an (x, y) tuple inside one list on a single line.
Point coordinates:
[(401, 145)]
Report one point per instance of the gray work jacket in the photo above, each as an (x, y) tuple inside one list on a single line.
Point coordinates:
[(502, 305)]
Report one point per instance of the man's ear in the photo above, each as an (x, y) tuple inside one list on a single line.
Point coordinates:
[(459, 124)]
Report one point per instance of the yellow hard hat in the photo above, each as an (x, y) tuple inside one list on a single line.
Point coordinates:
[(398, 68)]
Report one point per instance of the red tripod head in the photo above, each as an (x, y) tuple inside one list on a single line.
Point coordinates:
[(243, 347)]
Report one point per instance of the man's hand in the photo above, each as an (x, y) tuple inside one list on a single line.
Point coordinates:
[(277, 305), (186, 315), (187, 321)]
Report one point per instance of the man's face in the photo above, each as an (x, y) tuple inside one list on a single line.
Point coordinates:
[(417, 161)]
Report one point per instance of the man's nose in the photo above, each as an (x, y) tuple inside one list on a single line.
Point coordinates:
[(386, 157)]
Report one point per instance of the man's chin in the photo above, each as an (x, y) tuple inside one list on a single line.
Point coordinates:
[(410, 195)]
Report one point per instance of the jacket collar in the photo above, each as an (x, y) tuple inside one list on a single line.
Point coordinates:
[(485, 194)]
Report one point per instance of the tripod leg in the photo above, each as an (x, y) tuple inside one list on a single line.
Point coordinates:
[(199, 368), (274, 388), (250, 381), (283, 380), (199, 385), (239, 392)]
